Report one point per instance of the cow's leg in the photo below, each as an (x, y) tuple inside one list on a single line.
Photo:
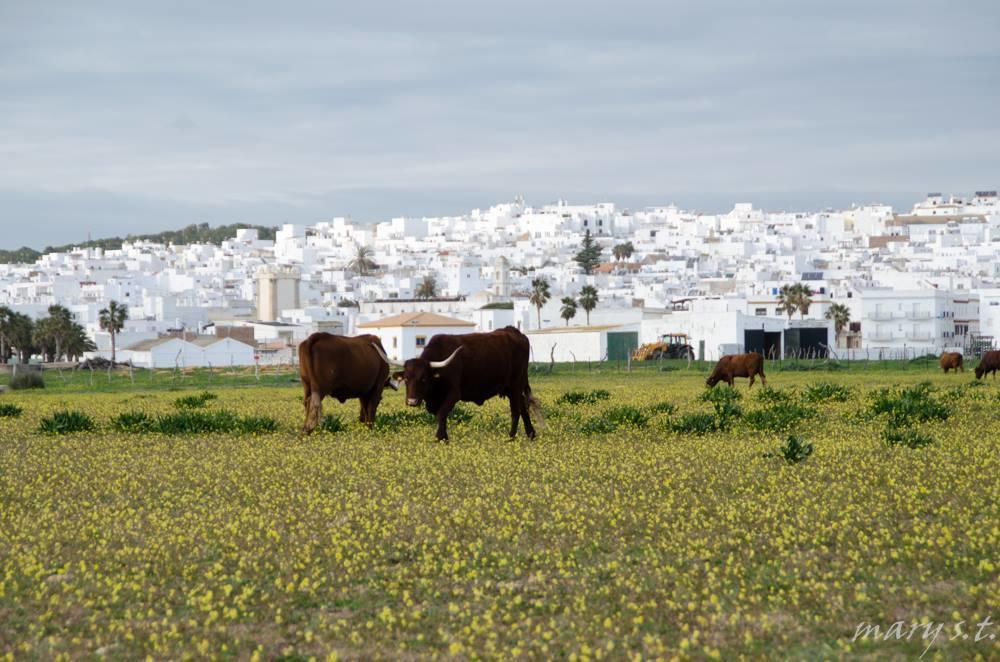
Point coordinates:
[(305, 404), (363, 416), (529, 429), (763, 379), (515, 413), (373, 401), (442, 416), (314, 413), (753, 376)]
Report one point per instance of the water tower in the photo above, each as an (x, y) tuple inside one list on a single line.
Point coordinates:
[(277, 290)]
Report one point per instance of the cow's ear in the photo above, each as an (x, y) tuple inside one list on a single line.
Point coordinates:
[(398, 375)]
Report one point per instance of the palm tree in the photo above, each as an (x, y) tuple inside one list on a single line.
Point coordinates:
[(112, 319), (78, 342), (787, 300), (45, 338), (539, 296), (568, 310), (803, 298), (428, 288), (623, 251), (60, 324), (362, 262), (20, 335), (841, 316), (5, 322), (588, 300)]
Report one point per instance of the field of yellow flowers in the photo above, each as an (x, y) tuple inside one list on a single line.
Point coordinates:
[(632, 527)]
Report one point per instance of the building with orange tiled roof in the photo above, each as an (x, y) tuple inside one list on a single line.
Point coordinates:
[(405, 335)]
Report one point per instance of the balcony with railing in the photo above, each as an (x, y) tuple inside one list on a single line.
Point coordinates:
[(881, 336), (920, 336), (881, 316), (918, 315)]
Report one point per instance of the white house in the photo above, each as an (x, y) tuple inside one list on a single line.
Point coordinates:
[(404, 336), (921, 321), (201, 352), (610, 342), (224, 352), (166, 352)]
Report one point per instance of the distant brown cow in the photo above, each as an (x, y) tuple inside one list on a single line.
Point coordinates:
[(952, 361), (989, 363), (342, 367), (737, 365)]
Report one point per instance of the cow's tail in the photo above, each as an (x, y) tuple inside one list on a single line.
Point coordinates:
[(314, 400), (534, 406)]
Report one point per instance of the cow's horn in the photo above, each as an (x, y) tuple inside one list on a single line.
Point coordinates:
[(437, 365), (382, 354)]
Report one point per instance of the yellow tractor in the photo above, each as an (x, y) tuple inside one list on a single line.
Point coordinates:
[(670, 346)]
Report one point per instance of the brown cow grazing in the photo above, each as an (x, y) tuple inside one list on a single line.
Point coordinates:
[(952, 361), (342, 367), (737, 365), (989, 363), (472, 367)]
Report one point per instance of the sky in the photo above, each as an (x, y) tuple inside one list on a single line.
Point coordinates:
[(128, 117)]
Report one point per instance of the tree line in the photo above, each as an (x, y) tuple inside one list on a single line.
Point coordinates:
[(196, 233), (54, 337)]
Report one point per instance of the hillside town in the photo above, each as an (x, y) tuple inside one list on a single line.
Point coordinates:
[(586, 282)]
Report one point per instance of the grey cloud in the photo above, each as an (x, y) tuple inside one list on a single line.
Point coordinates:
[(160, 113)]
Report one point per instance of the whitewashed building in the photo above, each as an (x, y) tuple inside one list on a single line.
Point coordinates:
[(612, 342), (404, 336)]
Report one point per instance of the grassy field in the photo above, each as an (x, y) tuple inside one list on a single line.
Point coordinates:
[(633, 526)]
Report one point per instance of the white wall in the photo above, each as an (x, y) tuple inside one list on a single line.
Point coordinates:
[(569, 346)]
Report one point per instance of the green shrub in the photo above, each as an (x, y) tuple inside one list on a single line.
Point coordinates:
[(598, 425), (906, 437), (720, 394), (723, 401), (776, 417), (66, 422), (460, 414), (823, 391), (194, 422), (694, 423), (332, 423), (794, 450), (583, 397), (771, 396), (907, 405), (195, 401), (10, 410), (626, 415), (395, 420), (256, 424), (133, 422), (661, 408), (27, 380)]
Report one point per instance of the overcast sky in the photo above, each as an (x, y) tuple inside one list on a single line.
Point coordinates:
[(120, 117)]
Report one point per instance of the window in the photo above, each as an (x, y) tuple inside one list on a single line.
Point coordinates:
[(421, 341), (760, 312), (394, 344)]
